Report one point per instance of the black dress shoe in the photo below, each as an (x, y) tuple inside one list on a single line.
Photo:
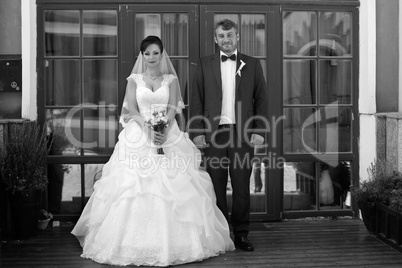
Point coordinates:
[(241, 242)]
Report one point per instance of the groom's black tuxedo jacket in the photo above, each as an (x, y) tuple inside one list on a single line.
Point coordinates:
[(251, 102)]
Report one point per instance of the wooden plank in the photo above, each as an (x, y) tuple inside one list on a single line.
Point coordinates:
[(301, 243)]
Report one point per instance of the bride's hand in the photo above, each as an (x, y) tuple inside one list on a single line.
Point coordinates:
[(159, 138)]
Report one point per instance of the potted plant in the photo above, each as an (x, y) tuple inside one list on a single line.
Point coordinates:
[(23, 172), (43, 219), (380, 201)]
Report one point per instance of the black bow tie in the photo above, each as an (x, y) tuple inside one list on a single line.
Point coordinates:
[(225, 58)]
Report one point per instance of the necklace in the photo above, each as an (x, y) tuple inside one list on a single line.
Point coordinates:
[(153, 78)]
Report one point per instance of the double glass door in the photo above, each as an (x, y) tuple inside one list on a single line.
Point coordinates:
[(188, 34), (309, 59)]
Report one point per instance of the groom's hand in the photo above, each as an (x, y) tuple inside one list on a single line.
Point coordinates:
[(257, 139), (200, 142)]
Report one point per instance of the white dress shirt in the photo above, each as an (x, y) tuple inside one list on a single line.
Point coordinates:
[(228, 70)]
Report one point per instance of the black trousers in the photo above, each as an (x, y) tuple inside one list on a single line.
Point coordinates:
[(223, 156)]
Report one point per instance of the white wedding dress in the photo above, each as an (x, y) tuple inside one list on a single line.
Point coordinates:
[(150, 209)]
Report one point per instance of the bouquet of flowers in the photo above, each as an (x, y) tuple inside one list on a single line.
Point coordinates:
[(158, 122)]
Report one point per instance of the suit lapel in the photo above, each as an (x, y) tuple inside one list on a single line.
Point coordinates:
[(216, 67)]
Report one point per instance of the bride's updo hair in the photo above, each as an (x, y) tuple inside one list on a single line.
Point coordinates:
[(149, 40)]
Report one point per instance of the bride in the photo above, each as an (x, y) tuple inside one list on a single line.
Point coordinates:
[(149, 208)]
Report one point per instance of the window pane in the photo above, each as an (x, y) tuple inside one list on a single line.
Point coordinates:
[(100, 132), (175, 34), (264, 68), (258, 197), (71, 190), (335, 180), (335, 34), (100, 32), (64, 127), (171, 28), (299, 130), (62, 32), (146, 24), (93, 173), (233, 17), (56, 174), (299, 33), (181, 67), (336, 81), (252, 37), (62, 82), (299, 182), (335, 129), (100, 82), (299, 82)]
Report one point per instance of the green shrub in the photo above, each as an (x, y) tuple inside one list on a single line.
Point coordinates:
[(380, 187)]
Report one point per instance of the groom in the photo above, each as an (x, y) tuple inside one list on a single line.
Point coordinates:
[(228, 113)]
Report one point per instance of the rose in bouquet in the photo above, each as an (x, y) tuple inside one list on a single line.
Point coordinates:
[(158, 122)]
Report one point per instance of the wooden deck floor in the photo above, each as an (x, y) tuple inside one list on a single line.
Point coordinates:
[(296, 243)]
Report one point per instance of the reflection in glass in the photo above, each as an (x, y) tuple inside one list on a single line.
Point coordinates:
[(175, 34), (100, 81), (71, 190), (233, 17), (299, 82), (100, 132), (66, 188), (146, 24), (252, 41), (263, 63), (55, 175), (62, 32), (171, 28), (299, 130), (62, 82), (334, 185), (335, 129), (64, 128), (181, 67), (335, 81), (300, 33), (258, 197), (93, 173), (99, 32), (299, 184), (335, 34)]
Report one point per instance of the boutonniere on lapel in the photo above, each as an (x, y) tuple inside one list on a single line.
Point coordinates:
[(242, 63)]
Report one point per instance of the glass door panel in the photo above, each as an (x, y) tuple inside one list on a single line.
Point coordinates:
[(173, 27), (335, 33), (256, 34), (299, 82), (299, 33), (99, 33), (318, 108), (335, 81), (62, 32)]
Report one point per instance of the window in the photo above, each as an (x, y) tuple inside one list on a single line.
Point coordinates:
[(317, 107)]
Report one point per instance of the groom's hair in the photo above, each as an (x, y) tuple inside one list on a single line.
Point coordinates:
[(226, 25), (149, 40)]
